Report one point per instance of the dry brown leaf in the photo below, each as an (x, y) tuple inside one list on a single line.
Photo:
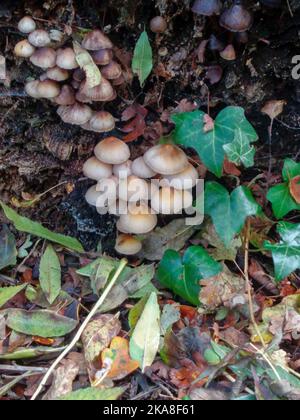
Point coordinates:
[(273, 108), (63, 379), (295, 189)]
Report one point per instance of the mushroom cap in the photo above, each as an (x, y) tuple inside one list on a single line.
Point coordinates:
[(112, 150), (94, 169), (158, 25), (92, 195), (31, 88), (185, 180), (102, 57), (48, 89), (171, 201), (100, 93), (66, 59), (66, 96), (77, 114), (44, 58), (111, 71), (139, 222), (128, 245), (133, 189), (140, 169), (237, 18), (39, 38), (123, 170), (58, 74), (96, 40), (215, 44), (166, 159), (228, 53), (207, 7), (26, 25), (119, 81), (24, 49), (109, 190), (79, 75), (118, 207), (101, 122)]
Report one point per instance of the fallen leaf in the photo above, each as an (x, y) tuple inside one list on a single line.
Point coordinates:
[(170, 315), (7, 293), (273, 108), (295, 189), (94, 394), (8, 250), (50, 274), (63, 378)]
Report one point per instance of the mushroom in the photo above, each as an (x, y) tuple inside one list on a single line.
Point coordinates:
[(101, 122), (133, 189), (66, 59), (113, 151), (96, 40), (185, 180), (44, 58), (100, 93), (118, 207), (214, 44), (123, 170), (138, 222), (66, 96), (237, 18), (92, 195), (128, 245), (158, 25), (31, 88), (171, 201), (39, 38), (94, 169), (26, 25), (79, 75), (101, 194), (207, 7), (102, 57), (140, 169), (48, 89), (77, 114), (228, 53), (166, 159), (58, 74), (111, 71), (24, 49)]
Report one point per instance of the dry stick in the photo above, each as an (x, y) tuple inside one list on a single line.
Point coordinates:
[(77, 337)]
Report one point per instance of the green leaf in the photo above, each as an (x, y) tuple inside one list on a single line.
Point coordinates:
[(240, 151), (280, 196), (145, 339), (50, 274), (286, 253), (39, 323), (229, 211), (94, 394), (183, 274), (8, 250), (7, 293), (24, 224), (142, 62), (190, 132)]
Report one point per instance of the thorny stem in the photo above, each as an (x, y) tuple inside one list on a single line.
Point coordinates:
[(77, 337)]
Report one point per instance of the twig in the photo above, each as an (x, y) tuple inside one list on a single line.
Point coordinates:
[(77, 337), (266, 358), (4, 390), (290, 9), (22, 369)]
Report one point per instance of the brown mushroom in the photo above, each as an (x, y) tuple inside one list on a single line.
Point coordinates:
[(111, 71), (166, 159), (39, 38), (113, 151), (96, 40), (77, 114), (66, 59), (66, 96), (102, 57), (101, 122), (44, 58), (24, 49)]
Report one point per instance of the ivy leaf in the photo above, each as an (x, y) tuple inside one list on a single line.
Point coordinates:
[(8, 250), (191, 132), (240, 151), (280, 196), (229, 211), (50, 274), (182, 274), (286, 253), (142, 62)]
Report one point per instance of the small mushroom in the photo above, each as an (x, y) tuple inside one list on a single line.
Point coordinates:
[(138, 222), (140, 169), (48, 89), (133, 189), (102, 57), (228, 53), (66, 59), (94, 169), (100, 93), (66, 96), (237, 18), (158, 25), (111, 71), (58, 74), (92, 195), (77, 114), (31, 88), (27, 25), (214, 44), (128, 245), (24, 49), (44, 58), (39, 38), (96, 40), (166, 159), (123, 170), (113, 151), (171, 201), (185, 180), (101, 122), (207, 7), (109, 189)]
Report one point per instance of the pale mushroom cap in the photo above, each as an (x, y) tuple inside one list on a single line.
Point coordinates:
[(111, 71), (228, 53), (66, 96), (39, 38), (166, 159), (101, 122), (140, 169), (158, 25), (66, 59), (109, 190), (24, 49), (101, 93), (102, 57), (128, 245), (139, 223), (26, 25), (92, 195), (94, 169), (133, 189), (171, 201), (31, 88), (185, 180), (77, 114), (123, 170), (113, 151), (57, 74), (48, 89), (96, 40), (44, 58)]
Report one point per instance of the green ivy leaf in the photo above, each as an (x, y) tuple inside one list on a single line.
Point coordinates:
[(182, 274), (8, 250), (190, 132), (142, 62), (240, 151), (229, 211), (286, 253), (50, 274), (280, 196)]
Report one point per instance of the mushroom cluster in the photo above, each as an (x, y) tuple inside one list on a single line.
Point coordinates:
[(160, 182), (64, 82)]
